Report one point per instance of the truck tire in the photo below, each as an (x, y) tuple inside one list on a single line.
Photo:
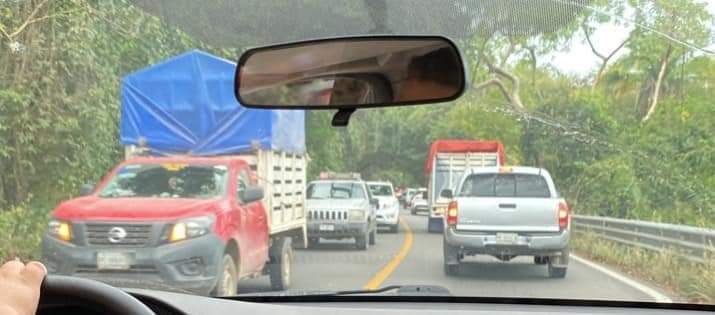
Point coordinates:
[(281, 264), (373, 236), (541, 260), (559, 264), (227, 284), (450, 259), (557, 272), (361, 241), (451, 269)]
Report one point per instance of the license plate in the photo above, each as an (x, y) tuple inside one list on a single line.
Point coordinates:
[(507, 238), (326, 227), (113, 260)]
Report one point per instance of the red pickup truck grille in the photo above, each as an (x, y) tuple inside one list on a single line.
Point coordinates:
[(110, 234)]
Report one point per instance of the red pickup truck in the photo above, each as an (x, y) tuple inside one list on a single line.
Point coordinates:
[(174, 219), (198, 224)]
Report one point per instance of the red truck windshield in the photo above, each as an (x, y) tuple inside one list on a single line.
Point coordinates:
[(167, 181)]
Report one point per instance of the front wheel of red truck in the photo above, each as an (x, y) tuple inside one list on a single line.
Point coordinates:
[(281, 264), (227, 283)]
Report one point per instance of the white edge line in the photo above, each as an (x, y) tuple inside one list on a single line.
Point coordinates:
[(657, 296)]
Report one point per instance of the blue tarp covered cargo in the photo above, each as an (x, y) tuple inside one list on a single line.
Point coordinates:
[(186, 104)]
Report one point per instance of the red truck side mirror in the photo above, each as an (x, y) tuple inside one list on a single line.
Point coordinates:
[(86, 190), (252, 193)]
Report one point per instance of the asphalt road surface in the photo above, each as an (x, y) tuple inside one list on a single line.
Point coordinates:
[(414, 257)]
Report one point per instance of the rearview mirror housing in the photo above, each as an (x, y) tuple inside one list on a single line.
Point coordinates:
[(351, 72)]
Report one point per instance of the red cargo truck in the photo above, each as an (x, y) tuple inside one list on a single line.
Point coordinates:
[(445, 164)]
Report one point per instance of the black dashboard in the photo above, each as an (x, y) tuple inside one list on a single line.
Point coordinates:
[(168, 303)]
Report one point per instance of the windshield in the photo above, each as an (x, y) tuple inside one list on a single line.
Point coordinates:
[(335, 191), (615, 99), (380, 190), (167, 181)]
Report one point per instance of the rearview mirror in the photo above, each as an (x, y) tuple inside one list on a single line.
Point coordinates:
[(351, 72), (252, 193), (86, 189), (446, 193)]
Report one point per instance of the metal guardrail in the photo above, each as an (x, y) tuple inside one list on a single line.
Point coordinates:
[(692, 243)]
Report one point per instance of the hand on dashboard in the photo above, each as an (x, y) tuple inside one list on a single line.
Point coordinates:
[(20, 287)]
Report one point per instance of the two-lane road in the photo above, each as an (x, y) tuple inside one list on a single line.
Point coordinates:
[(338, 265)]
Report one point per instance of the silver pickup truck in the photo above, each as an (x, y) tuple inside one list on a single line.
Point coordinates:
[(507, 212)]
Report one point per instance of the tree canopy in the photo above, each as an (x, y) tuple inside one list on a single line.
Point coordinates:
[(632, 138)]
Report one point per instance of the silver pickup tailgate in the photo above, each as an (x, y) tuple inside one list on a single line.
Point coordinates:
[(508, 202), (508, 214)]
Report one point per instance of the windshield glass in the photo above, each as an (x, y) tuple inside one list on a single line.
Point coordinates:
[(613, 98), (380, 190), (167, 181), (335, 191)]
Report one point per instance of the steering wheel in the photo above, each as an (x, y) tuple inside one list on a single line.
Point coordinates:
[(64, 288)]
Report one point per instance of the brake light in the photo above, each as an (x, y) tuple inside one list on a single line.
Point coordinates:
[(452, 212), (564, 214)]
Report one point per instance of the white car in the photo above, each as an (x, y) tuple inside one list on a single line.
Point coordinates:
[(388, 211), (419, 202)]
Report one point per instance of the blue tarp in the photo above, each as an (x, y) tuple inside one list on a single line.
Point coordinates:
[(186, 104)]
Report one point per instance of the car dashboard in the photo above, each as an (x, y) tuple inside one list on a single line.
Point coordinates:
[(169, 303)]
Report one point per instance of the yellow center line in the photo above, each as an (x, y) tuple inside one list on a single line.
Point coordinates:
[(386, 271)]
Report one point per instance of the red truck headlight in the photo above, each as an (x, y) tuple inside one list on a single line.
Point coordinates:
[(60, 229), (190, 228)]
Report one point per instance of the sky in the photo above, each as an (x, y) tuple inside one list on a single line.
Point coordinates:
[(578, 58)]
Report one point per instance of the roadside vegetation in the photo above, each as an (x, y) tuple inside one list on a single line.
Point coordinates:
[(690, 281), (22, 228)]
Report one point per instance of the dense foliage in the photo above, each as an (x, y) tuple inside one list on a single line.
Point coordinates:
[(616, 147), (60, 68), (633, 139)]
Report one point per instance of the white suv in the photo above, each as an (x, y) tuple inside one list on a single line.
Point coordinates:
[(388, 210)]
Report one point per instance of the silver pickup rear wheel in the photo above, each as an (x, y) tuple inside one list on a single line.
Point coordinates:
[(450, 259), (559, 264)]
